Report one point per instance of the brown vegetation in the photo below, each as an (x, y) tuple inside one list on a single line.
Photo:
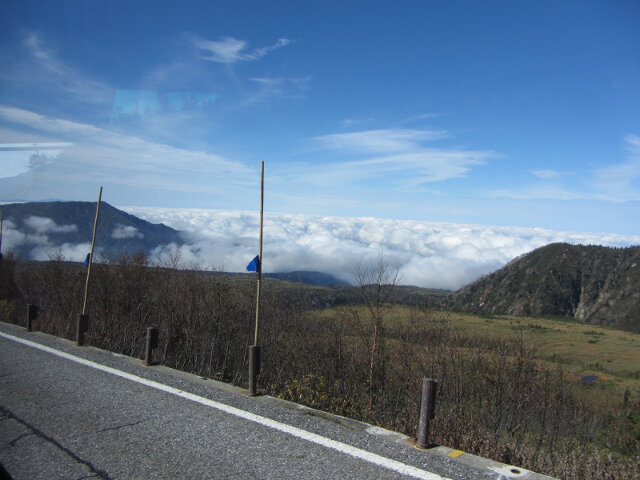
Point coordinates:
[(496, 398)]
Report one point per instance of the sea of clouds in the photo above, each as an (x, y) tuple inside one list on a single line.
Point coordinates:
[(426, 254)]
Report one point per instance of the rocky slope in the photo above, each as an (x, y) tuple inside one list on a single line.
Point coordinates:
[(592, 284)]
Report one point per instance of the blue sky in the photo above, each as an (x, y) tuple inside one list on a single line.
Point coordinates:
[(494, 113)]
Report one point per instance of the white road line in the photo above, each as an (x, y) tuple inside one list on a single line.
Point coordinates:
[(267, 422)]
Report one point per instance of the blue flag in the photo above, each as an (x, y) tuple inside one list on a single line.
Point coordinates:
[(254, 265), (86, 260)]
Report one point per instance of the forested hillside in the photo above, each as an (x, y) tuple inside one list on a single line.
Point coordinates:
[(592, 284)]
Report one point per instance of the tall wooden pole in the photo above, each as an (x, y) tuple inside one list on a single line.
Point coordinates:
[(0, 234), (93, 243), (254, 350), (255, 341)]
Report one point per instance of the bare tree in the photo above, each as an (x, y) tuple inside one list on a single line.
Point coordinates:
[(377, 281), (171, 258)]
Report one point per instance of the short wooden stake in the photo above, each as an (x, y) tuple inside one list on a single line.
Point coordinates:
[(81, 327), (427, 411), (152, 342), (254, 369), (32, 314)]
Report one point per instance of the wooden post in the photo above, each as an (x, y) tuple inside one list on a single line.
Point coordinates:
[(254, 351), (151, 343), (81, 328), (32, 314), (427, 411), (254, 369)]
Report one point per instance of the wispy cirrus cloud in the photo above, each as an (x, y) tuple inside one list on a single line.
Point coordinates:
[(352, 122), (41, 66), (409, 169), (231, 50), (379, 141), (280, 87), (398, 155), (128, 163), (540, 191), (420, 118), (548, 173), (617, 182), (620, 182)]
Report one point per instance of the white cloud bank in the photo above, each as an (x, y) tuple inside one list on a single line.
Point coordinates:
[(44, 225), (125, 231), (33, 234), (427, 254), (437, 255)]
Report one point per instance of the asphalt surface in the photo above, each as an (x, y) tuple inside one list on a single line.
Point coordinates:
[(61, 419)]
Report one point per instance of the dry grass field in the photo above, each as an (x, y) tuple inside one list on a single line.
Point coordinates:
[(595, 357)]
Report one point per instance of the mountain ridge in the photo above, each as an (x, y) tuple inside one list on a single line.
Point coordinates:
[(591, 284), (48, 225)]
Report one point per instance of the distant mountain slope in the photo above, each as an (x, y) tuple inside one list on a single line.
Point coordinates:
[(48, 225), (308, 278), (592, 284)]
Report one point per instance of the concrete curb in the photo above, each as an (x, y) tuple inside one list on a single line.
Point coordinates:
[(490, 467)]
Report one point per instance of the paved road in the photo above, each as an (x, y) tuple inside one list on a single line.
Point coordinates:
[(71, 412)]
